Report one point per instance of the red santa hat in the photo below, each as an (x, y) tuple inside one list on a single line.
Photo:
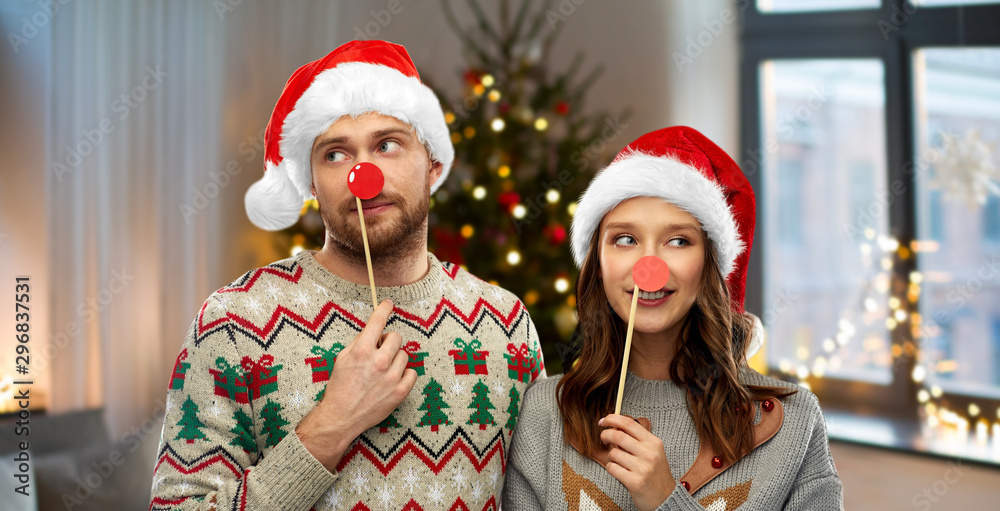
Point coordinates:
[(356, 78), (685, 168)]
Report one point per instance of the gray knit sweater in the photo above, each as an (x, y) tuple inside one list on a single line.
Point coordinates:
[(792, 469)]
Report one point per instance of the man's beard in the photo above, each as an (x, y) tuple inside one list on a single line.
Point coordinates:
[(387, 240)]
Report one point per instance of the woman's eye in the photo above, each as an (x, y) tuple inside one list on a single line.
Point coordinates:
[(678, 242), (388, 146), (625, 240), (335, 156)]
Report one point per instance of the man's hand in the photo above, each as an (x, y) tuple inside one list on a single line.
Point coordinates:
[(367, 383), (638, 461)]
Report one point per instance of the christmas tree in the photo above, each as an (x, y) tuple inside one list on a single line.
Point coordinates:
[(481, 402), (273, 421), (515, 398), (243, 431), (389, 422), (525, 152), (433, 403), (190, 424)]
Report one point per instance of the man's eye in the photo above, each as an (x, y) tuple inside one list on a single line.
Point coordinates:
[(335, 156), (388, 146)]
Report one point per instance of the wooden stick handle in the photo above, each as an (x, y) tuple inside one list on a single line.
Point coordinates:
[(628, 348), (368, 256)]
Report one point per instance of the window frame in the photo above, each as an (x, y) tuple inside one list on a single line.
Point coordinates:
[(859, 34)]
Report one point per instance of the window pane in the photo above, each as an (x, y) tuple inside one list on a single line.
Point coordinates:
[(815, 5), (825, 219), (958, 216), (935, 3)]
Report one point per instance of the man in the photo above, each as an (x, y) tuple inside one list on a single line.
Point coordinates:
[(290, 392)]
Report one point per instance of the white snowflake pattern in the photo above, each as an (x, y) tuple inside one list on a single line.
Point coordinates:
[(332, 498), (217, 306), (498, 387), (385, 496), (457, 389), (358, 482), (458, 477), (224, 302), (215, 409), (271, 290), (297, 400), (170, 404), (459, 294), (423, 304), (436, 494), (477, 491), (321, 289), (253, 305), (157, 481), (964, 168), (410, 480), (359, 306), (497, 292), (218, 481), (495, 478), (184, 488), (302, 298)]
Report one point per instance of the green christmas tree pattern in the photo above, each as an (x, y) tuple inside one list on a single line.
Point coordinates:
[(515, 398), (433, 404), (482, 405), (273, 421), (243, 431), (190, 424), (389, 422)]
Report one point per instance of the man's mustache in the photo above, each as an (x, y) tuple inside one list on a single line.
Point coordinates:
[(348, 207)]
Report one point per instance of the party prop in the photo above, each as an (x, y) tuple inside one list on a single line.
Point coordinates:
[(365, 181), (650, 274)]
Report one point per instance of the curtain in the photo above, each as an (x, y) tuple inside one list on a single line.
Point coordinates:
[(156, 119)]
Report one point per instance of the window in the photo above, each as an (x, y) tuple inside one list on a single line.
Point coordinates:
[(882, 294), (826, 120), (814, 5), (957, 114), (991, 220)]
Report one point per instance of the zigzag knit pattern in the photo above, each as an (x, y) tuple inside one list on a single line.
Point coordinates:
[(257, 358)]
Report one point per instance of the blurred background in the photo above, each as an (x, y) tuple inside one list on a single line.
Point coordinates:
[(868, 128)]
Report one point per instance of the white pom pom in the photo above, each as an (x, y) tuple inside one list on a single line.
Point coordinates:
[(273, 203)]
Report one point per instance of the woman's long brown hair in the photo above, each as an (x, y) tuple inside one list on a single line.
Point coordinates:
[(709, 355)]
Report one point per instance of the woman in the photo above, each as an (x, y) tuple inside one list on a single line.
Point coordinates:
[(709, 431)]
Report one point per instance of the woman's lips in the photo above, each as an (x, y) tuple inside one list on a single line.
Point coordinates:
[(650, 302)]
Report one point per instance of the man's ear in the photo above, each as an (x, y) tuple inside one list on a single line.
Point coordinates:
[(434, 173)]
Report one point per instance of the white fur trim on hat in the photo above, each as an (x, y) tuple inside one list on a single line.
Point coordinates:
[(642, 175), (356, 88)]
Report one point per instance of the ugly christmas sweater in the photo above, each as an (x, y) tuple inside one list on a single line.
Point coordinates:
[(257, 358), (790, 469)]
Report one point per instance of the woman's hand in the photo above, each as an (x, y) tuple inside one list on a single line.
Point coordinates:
[(637, 460)]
